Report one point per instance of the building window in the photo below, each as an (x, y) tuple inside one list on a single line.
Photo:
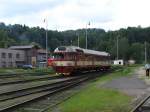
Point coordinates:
[(3, 55), (10, 64), (17, 55), (10, 55)]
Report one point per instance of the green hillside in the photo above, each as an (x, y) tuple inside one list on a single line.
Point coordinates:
[(131, 40)]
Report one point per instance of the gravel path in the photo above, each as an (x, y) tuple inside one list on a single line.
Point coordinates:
[(131, 85)]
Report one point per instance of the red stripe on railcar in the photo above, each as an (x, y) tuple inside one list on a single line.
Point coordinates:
[(63, 69)]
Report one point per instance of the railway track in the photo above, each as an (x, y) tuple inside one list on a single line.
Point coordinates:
[(24, 79), (35, 88), (143, 106), (13, 99), (10, 75)]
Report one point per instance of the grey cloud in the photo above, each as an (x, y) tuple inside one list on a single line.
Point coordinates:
[(10, 8), (88, 12)]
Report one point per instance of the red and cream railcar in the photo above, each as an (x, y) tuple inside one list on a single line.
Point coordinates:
[(69, 59)]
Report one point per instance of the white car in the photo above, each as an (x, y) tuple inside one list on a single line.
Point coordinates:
[(27, 67)]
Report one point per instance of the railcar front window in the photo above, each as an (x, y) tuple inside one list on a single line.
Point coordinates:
[(58, 56)]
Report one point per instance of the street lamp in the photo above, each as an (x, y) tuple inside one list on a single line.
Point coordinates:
[(46, 34), (117, 49), (86, 34), (77, 34), (145, 52)]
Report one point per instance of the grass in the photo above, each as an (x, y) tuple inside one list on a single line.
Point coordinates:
[(95, 98)]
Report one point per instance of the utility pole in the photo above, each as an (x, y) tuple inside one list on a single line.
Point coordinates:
[(71, 42), (46, 34), (78, 39), (117, 49), (145, 53), (86, 35)]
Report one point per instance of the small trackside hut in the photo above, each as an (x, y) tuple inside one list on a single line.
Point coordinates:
[(69, 59)]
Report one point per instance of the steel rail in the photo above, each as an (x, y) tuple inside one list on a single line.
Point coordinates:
[(35, 96), (7, 75), (7, 82), (136, 109), (23, 92)]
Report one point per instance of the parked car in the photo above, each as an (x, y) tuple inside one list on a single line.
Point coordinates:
[(27, 67)]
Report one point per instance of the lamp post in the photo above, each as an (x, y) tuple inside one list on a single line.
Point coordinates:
[(78, 43), (145, 53), (117, 49), (46, 34), (86, 37), (86, 34)]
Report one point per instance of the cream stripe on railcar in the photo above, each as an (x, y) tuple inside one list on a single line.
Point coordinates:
[(87, 63), (97, 63), (84, 63), (79, 63), (64, 63)]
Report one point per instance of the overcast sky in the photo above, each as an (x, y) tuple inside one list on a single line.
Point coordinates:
[(74, 14)]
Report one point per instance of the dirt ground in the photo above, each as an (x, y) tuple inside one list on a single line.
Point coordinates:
[(135, 85)]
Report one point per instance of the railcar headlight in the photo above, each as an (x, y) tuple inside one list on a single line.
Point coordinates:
[(53, 63)]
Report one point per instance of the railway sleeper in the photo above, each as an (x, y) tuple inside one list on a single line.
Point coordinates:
[(145, 107)]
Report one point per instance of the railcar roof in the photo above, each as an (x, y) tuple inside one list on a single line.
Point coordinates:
[(76, 49)]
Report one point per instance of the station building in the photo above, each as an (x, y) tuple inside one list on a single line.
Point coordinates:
[(11, 58), (16, 56)]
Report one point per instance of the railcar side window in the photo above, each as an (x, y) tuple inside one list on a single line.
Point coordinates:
[(58, 56), (70, 56)]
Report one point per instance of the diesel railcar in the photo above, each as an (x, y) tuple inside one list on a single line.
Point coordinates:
[(69, 59)]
